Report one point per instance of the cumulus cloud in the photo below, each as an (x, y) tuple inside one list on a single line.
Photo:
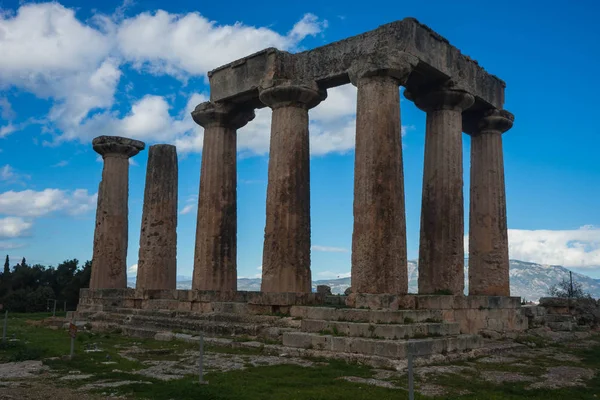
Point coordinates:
[(329, 249), (50, 53), (29, 203), (190, 44), (13, 227), (132, 270), (77, 64), (578, 248)]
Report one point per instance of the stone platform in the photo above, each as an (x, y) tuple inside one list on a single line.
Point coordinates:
[(379, 326)]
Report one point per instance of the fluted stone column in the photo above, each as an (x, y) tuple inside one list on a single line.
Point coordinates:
[(286, 251), (157, 262), (488, 237), (441, 247), (109, 262), (379, 262), (215, 258)]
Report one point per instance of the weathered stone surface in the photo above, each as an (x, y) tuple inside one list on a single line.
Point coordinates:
[(286, 251), (324, 289), (441, 248), (379, 214), (328, 65), (157, 263), (215, 258), (381, 301), (488, 235), (109, 260)]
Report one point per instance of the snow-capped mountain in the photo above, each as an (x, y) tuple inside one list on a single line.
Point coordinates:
[(527, 280)]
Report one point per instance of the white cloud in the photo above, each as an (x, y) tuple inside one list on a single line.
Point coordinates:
[(9, 175), (132, 270), (187, 209), (190, 44), (329, 249), (571, 248), (6, 111), (49, 52), (7, 129), (78, 64), (62, 163), (29, 203), (13, 227)]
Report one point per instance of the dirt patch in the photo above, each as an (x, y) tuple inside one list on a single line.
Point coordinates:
[(559, 377), (44, 390), (503, 376), (369, 381), (22, 369), (424, 372), (496, 359)]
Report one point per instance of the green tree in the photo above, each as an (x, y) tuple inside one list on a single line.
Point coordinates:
[(7, 266), (23, 262)]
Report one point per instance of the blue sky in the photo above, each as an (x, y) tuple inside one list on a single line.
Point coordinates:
[(70, 71)]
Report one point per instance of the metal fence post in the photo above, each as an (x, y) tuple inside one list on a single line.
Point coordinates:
[(201, 360), (411, 383)]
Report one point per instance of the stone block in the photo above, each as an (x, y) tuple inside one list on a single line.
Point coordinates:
[(335, 300), (184, 305), (201, 306), (185, 295), (324, 289), (164, 336), (560, 326), (383, 301), (554, 302), (558, 310), (434, 302), (285, 299)]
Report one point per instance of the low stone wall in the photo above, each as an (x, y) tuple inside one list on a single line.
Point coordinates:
[(195, 300), (564, 314), (475, 314)]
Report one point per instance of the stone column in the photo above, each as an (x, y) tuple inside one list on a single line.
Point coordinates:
[(286, 251), (379, 262), (157, 262), (215, 258), (109, 260), (488, 237), (441, 247)]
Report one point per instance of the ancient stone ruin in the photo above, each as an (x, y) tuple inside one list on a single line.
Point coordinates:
[(379, 319)]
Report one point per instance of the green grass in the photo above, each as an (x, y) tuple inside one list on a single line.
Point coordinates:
[(286, 382)]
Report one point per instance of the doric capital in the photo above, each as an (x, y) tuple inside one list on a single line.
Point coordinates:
[(289, 94), (116, 146), (490, 120), (443, 97), (397, 65), (209, 114)]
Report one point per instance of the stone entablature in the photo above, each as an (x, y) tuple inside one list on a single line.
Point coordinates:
[(438, 61)]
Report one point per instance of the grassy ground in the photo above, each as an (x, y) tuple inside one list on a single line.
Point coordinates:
[(288, 382)]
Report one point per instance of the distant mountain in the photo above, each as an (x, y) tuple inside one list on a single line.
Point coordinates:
[(527, 280)]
